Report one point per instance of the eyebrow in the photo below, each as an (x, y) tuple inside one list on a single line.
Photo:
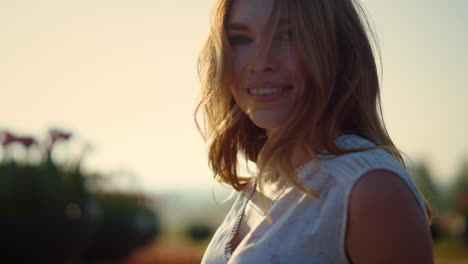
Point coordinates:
[(240, 26)]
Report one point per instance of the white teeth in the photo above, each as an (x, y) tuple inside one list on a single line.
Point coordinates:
[(265, 91)]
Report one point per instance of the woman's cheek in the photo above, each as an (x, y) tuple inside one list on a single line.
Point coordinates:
[(295, 65), (241, 61), (237, 72)]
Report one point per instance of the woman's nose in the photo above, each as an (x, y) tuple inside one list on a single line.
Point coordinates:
[(263, 62)]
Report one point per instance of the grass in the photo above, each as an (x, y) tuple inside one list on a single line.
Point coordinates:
[(447, 250), (450, 250)]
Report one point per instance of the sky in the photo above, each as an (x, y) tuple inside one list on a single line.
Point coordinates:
[(121, 75)]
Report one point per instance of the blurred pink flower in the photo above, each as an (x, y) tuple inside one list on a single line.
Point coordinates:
[(57, 135), (7, 138), (26, 141)]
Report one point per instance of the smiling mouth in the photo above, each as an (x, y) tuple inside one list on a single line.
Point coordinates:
[(268, 91)]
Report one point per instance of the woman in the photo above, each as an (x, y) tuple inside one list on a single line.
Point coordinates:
[(292, 86)]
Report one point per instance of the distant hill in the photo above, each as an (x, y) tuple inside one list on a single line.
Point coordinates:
[(180, 208)]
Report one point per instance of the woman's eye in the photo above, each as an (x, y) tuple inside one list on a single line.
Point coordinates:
[(238, 40)]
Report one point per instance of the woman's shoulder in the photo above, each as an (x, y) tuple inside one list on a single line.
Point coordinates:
[(343, 171), (351, 166), (379, 205), (349, 169)]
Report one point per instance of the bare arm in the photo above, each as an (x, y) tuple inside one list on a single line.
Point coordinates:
[(385, 223)]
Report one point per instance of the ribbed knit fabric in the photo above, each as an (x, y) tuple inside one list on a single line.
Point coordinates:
[(304, 229)]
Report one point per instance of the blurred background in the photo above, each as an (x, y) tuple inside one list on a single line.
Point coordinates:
[(120, 77)]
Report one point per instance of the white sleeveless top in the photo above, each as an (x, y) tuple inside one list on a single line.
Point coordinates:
[(304, 229)]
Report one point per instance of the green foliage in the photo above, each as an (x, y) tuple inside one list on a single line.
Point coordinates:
[(26, 187), (424, 180), (460, 184), (126, 223), (199, 231), (429, 190), (121, 205), (50, 203), (459, 191)]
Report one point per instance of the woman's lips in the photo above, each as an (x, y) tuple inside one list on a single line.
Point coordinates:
[(268, 93)]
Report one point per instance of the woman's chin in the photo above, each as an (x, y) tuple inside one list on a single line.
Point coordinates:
[(269, 123)]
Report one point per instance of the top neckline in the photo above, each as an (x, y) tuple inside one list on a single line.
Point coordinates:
[(235, 228)]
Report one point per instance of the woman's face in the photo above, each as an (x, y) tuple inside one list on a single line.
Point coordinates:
[(266, 87)]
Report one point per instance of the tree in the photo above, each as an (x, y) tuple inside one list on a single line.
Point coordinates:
[(431, 193)]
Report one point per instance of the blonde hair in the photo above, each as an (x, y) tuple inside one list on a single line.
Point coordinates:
[(332, 41)]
